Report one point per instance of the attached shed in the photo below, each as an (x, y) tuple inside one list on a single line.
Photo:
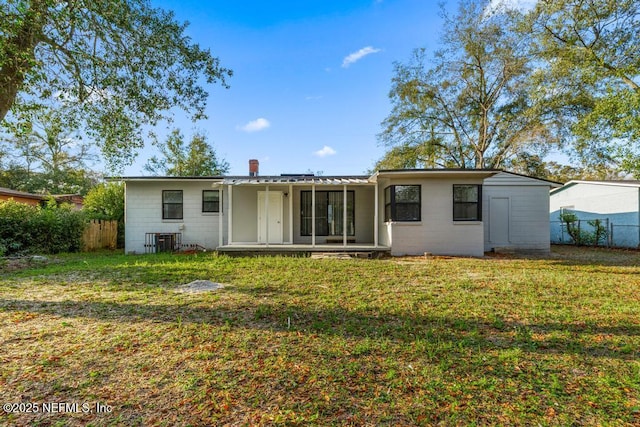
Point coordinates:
[(515, 208)]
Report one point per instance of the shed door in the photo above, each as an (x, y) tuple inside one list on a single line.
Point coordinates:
[(499, 220)]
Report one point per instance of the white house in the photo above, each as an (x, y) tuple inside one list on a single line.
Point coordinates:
[(404, 212), (616, 203)]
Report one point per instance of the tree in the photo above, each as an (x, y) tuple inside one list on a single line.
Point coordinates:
[(105, 201), (468, 106), (46, 157), (196, 159), (590, 74), (115, 67)]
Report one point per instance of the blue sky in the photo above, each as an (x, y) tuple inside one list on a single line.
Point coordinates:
[(311, 78)]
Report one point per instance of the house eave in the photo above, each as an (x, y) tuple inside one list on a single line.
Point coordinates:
[(435, 173), (163, 178), (571, 183)]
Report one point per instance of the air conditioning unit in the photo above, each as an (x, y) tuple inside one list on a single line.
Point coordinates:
[(165, 242)]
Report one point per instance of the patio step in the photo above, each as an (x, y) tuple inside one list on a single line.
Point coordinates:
[(341, 255)]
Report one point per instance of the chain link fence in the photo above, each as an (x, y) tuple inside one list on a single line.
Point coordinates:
[(600, 232)]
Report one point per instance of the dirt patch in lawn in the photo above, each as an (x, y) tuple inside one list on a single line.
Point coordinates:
[(198, 286)]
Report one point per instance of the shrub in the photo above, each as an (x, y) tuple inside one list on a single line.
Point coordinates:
[(584, 237), (28, 229)]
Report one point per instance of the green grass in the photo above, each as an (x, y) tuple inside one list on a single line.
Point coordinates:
[(296, 341)]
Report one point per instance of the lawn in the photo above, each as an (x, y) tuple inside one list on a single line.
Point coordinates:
[(105, 339)]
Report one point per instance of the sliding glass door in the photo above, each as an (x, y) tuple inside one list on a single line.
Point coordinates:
[(329, 213)]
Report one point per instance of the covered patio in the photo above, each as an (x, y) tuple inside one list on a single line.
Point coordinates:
[(300, 213)]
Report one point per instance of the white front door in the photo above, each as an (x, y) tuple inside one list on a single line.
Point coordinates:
[(499, 220), (270, 217)]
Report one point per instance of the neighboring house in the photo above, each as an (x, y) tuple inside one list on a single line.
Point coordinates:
[(39, 199), (76, 200), (22, 197), (404, 212), (615, 203)]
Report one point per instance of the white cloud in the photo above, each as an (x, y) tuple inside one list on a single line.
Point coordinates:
[(325, 151), (356, 56), (255, 125)]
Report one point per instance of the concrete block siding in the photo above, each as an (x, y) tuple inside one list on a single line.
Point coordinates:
[(143, 214)]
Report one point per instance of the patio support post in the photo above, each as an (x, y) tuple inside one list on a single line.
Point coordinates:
[(266, 208), (220, 204), (230, 220), (344, 215), (313, 215), (376, 216), (290, 214)]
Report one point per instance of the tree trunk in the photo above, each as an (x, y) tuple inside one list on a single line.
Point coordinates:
[(19, 52)]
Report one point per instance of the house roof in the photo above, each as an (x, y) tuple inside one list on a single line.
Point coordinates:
[(297, 179), (613, 183), (504, 178), (308, 179), (164, 178), (434, 173), (23, 194)]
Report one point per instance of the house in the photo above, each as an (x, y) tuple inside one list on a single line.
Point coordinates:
[(404, 212), (75, 200), (615, 203), (22, 197)]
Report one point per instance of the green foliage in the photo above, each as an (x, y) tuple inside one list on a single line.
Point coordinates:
[(573, 228), (197, 158), (115, 67), (588, 78), (580, 236), (106, 201), (468, 106), (69, 181), (28, 229), (599, 233), (47, 156)]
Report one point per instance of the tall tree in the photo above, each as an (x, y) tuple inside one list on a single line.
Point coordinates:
[(197, 158), (468, 106), (46, 157), (115, 66), (590, 75)]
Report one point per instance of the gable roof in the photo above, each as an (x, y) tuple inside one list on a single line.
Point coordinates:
[(513, 178), (612, 183)]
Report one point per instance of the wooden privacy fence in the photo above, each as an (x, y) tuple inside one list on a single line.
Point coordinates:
[(100, 234)]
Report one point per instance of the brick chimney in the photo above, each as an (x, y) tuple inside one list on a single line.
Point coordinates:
[(253, 167)]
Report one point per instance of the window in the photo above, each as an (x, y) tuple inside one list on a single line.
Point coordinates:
[(402, 203), (172, 204), (211, 201), (329, 213), (467, 202)]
